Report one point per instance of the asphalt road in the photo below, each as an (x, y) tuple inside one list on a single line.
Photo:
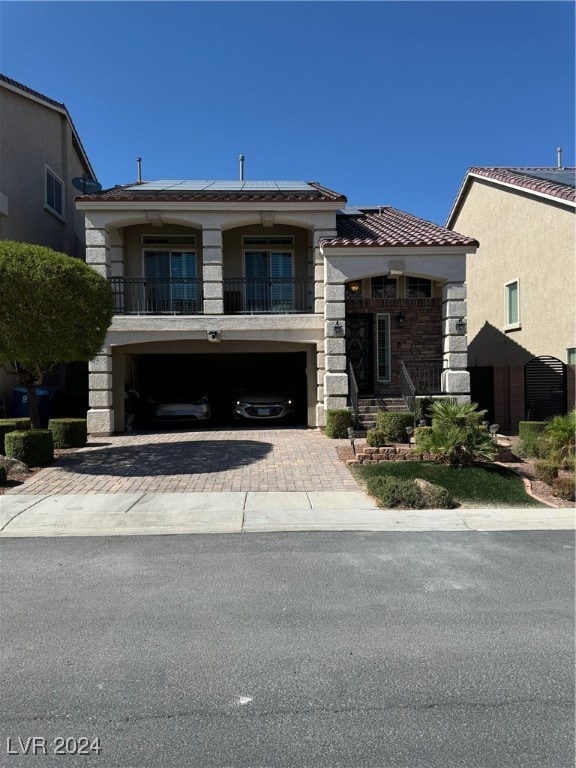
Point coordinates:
[(319, 650)]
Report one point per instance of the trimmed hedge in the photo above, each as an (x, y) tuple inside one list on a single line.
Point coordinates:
[(393, 424), (34, 447), (376, 438), (337, 422), (69, 433), (11, 425), (393, 492)]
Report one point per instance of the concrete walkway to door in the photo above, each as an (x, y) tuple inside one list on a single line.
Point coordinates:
[(198, 461)]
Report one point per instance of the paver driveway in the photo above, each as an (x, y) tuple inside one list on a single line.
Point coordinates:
[(199, 461)]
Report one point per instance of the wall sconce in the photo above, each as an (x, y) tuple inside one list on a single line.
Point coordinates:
[(214, 335), (354, 287), (461, 326), (400, 319), (338, 328)]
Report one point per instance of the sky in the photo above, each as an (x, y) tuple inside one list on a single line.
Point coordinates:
[(388, 103)]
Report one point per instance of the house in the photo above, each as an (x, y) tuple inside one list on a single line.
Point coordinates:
[(40, 153), (217, 282), (521, 289)]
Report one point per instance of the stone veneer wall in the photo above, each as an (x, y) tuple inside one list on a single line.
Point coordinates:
[(419, 337)]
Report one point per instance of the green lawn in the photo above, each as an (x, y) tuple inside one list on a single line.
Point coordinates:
[(482, 484)]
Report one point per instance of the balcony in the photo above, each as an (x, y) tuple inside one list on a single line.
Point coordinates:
[(184, 296)]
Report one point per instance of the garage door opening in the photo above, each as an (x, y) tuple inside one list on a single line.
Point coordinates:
[(173, 378)]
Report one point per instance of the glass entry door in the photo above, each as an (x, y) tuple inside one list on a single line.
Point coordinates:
[(171, 281), (269, 283)]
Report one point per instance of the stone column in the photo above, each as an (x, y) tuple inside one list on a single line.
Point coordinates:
[(335, 376), (455, 378), (212, 269), (101, 413), (98, 250), (318, 259)]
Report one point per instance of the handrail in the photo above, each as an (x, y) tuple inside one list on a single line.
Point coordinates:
[(353, 394), (407, 388)]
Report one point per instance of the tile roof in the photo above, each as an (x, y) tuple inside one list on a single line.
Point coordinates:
[(173, 192), (554, 184), (389, 227)]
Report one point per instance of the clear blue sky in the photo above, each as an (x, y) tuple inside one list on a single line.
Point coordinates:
[(386, 102)]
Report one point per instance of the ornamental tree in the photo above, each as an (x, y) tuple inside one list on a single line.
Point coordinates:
[(53, 309)]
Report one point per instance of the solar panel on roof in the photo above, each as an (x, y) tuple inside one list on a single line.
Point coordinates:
[(565, 176), (213, 185)]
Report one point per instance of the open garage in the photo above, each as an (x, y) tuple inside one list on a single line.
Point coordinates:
[(222, 375)]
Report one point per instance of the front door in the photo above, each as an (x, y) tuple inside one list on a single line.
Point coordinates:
[(359, 350)]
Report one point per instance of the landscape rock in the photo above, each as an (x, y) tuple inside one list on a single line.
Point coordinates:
[(14, 465)]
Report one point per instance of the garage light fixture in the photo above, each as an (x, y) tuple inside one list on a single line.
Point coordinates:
[(214, 335)]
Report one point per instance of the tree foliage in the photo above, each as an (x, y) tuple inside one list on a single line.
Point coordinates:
[(53, 309)]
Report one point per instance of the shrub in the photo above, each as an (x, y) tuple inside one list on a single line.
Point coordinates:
[(393, 425), (421, 408), (563, 488), (529, 433), (420, 432), (394, 492), (438, 497), (34, 447), (449, 412), (337, 422), (456, 445), (558, 438), (375, 438), (546, 471), (11, 425), (69, 433)]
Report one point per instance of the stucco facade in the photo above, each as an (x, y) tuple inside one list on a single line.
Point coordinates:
[(525, 225), (124, 226)]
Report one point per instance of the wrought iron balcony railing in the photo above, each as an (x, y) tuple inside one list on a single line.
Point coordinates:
[(268, 295), (157, 296)]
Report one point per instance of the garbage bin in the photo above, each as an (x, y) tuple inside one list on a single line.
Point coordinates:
[(20, 403)]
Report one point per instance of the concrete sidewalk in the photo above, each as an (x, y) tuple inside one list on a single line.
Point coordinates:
[(123, 514)]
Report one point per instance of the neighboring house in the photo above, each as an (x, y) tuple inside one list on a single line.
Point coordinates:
[(219, 282), (40, 153), (521, 289)]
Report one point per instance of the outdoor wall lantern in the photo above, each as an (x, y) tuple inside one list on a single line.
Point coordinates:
[(409, 431), (461, 327), (400, 319), (338, 328), (354, 287)]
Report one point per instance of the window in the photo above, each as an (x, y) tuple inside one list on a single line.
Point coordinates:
[(512, 304), (171, 281), (571, 356), (383, 347), (168, 240), (269, 283), (54, 198), (418, 288), (268, 240), (383, 287)]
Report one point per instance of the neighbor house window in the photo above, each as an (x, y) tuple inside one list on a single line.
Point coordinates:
[(383, 287), (512, 303), (383, 347), (418, 288), (54, 193), (571, 356)]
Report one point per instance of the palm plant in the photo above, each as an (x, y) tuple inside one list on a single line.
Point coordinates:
[(445, 412), (558, 438)]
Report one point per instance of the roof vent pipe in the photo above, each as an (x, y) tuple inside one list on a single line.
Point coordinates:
[(241, 158), (559, 151), (139, 164)]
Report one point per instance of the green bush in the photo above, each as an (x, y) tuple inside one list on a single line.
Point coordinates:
[(393, 492), (456, 446), (11, 425), (337, 422), (420, 433), (69, 433), (393, 425), (34, 447), (546, 471), (558, 438), (530, 433), (422, 407), (376, 438), (449, 412), (564, 488)]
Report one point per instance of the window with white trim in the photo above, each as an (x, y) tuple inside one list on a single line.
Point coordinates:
[(383, 347), (512, 292), (54, 193)]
